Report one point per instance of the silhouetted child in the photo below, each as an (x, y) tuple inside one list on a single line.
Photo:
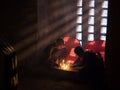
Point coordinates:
[(93, 71), (58, 52)]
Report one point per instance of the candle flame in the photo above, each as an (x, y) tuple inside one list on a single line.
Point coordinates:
[(65, 65)]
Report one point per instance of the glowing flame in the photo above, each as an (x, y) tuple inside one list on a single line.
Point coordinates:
[(65, 65)]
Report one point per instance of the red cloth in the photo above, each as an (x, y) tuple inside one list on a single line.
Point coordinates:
[(70, 44), (96, 46)]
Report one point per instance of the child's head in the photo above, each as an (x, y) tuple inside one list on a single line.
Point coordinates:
[(59, 42), (79, 51)]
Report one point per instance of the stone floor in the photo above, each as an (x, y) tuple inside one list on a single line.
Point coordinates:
[(44, 78)]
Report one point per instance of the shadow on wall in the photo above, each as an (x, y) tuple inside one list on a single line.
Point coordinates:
[(31, 27)]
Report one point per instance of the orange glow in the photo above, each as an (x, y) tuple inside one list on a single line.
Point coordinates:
[(70, 44), (92, 43), (70, 61), (103, 44), (72, 52), (97, 46), (65, 65)]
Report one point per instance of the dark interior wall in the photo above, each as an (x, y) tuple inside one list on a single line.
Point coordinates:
[(113, 45), (19, 27), (56, 18), (31, 25)]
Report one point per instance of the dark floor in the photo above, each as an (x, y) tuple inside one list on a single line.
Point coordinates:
[(44, 78)]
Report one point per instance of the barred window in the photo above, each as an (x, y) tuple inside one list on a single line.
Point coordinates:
[(91, 20)]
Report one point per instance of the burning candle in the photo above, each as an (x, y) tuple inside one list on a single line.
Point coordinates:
[(64, 65)]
